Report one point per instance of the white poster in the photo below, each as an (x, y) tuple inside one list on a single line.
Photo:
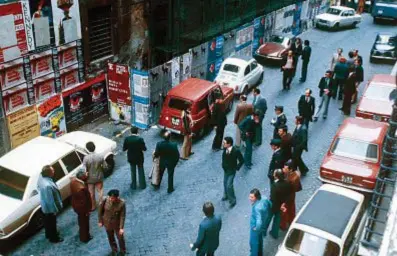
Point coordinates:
[(140, 83), (305, 10), (141, 114), (186, 65), (7, 32), (288, 17), (41, 31), (279, 22), (66, 16), (121, 113), (175, 66)]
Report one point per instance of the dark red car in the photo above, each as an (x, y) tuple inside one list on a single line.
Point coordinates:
[(275, 49)]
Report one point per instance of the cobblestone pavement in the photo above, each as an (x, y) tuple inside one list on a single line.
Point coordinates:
[(160, 224)]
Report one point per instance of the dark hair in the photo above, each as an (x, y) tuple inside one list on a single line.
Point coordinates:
[(284, 128), (46, 171), (310, 90), (256, 90), (243, 97), (351, 54), (208, 209), (256, 193), (299, 119), (256, 113), (134, 130), (90, 146), (279, 174), (307, 42), (167, 135), (328, 72), (114, 192), (229, 140)]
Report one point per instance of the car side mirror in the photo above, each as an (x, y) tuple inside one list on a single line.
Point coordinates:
[(34, 193)]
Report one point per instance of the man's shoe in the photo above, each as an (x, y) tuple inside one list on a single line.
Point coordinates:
[(59, 240), (89, 239), (216, 149), (156, 187), (232, 205), (324, 117), (169, 191), (340, 108), (191, 153), (133, 187), (315, 119), (183, 158), (224, 198), (248, 166)]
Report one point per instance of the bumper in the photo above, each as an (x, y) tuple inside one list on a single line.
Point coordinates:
[(352, 187), (263, 58), (323, 25), (169, 129), (380, 57)]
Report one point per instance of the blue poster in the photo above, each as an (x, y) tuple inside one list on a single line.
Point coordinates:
[(296, 25), (244, 36), (213, 69), (215, 48), (259, 31)]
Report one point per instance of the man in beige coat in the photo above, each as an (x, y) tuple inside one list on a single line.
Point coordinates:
[(243, 110)]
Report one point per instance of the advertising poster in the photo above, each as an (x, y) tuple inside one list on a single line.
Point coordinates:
[(23, 126), (69, 76), (296, 25), (52, 117), (141, 115), (119, 84), (14, 32), (215, 48), (259, 31), (41, 63), (175, 71), (66, 17), (85, 103), (11, 74), (140, 83), (186, 65), (229, 44), (269, 25), (15, 99), (213, 69), (199, 55), (44, 87), (279, 20), (245, 35), (42, 23), (67, 55), (120, 113)]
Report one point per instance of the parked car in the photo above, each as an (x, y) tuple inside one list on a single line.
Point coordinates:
[(353, 159), (329, 224), (198, 95), (21, 168), (337, 17), (385, 47), (375, 103), (384, 9), (240, 74), (275, 49)]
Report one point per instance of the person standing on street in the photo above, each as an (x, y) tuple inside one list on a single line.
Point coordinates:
[(259, 214), (81, 203), (111, 215), (350, 61), (232, 160), (357, 56), (277, 160), (306, 107), (286, 142), (299, 143), (243, 110), (135, 146), (208, 235), (187, 123), (340, 74), (306, 53), (50, 202), (278, 121), (359, 78), (94, 164), (325, 85), (260, 107), (168, 153), (350, 89), (336, 58), (219, 121), (297, 50), (248, 128), (288, 68)]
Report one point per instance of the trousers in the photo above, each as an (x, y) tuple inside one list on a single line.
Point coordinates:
[(324, 104), (298, 162), (228, 187), (276, 217), (256, 243), (339, 87), (99, 188), (217, 143), (186, 146), (111, 232), (50, 226), (305, 64), (84, 227), (141, 176), (288, 75), (248, 152), (170, 176)]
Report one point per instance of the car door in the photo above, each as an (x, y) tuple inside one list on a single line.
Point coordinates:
[(61, 179), (344, 19), (247, 76), (255, 70), (70, 164)]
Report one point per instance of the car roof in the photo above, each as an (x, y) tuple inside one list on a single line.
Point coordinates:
[(387, 34), (342, 8), (191, 89), (330, 210), (238, 60), (363, 129), (383, 79), (29, 158)]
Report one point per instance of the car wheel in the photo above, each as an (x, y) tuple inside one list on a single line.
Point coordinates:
[(37, 222), (336, 27), (354, 24), (245, 91), (110, 166), (260, 79), (375, 20), (229, 106)]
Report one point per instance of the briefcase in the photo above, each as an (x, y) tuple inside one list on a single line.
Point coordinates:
[(155, 172)]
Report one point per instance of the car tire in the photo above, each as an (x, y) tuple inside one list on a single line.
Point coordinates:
[(336, 27), (110, 166), (36, 222), (354, 24), (260, 79)]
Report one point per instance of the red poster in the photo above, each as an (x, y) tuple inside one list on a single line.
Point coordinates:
[(69, 77), (15, 99), (11, 74), (13, 42), (67, 55), (119, 84), (41, 64), (44, 87)]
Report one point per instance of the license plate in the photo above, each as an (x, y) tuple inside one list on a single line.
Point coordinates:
[(380, 11), (175, 121), (347, 179)]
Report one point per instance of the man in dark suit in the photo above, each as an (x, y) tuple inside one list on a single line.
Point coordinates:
[(286, 142), (288, 68), (278, 121), (243, 110), (280, 191), (248, 128), (299, 143), (297, 49), (135, 146), (169, 157), (219, 121), (260, 107), (306, 107), (307, 51), (326, 86), (232, 160), (277, 160), (208, 235)]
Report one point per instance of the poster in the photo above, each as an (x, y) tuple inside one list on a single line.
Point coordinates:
[(175, 73), (229, 43), (119, 84), (199, 55), (296, 25), (44, 87), (269, 25), (85, 103), (42, 23), (41, 63), (140, 83), (69, 76), (259, 31), (52, 117), (23, 126), (66, 17), (213, 69), (15, 99), (11, 74), (67, 55), (15, 34), (119, 112), (245, 35), (141, 115), (215, 48), (279, 20), (186, 65)]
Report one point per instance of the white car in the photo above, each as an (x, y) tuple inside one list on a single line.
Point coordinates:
[(21, 168), (329, 224), (337, 17), (240, 74)]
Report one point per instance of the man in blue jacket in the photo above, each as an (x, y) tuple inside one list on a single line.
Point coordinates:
[(208, 235)]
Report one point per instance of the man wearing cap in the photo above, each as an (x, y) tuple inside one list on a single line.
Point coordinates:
[(306, 107), (248, 128), (341, 72), (81, 203), (111, 215), (278, 121), (277, 160), (326, 86), (299, 144), (243, 110)]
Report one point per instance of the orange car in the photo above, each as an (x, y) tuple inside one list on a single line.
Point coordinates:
[(375, 103), (353, 160), (198, 95)]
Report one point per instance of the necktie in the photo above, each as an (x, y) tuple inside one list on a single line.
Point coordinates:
[(307, 99)]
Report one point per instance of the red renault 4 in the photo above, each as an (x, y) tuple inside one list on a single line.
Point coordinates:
[(198, 95), (353, 160)]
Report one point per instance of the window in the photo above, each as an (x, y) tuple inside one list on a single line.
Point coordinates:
[(231, 68), (202, 104), (100, 32), (81, 155), (247, 70), (59, 173), (254, 64), (71, 161), (178, 104), (386, 40), (355, 149), (12, 184), (277, 39), (334, 11)]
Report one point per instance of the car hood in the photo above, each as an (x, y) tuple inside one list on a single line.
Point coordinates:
[(8, 206), (350, 166), (79, 139), (270, 48), (379, 107), (328, 17), (383, 47)]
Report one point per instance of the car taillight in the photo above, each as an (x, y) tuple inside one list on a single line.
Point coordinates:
[(326, 172)]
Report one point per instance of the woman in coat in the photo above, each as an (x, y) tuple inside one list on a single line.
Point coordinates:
[(349, 90), (359, 77)]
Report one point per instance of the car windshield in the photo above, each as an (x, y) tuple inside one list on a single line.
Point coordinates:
[(12, 184), (179, 104), (231, 68), (306, 244), (376, 92), (355, 149), (333, 11), (387, 1), (277, 39), (386, 40)]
